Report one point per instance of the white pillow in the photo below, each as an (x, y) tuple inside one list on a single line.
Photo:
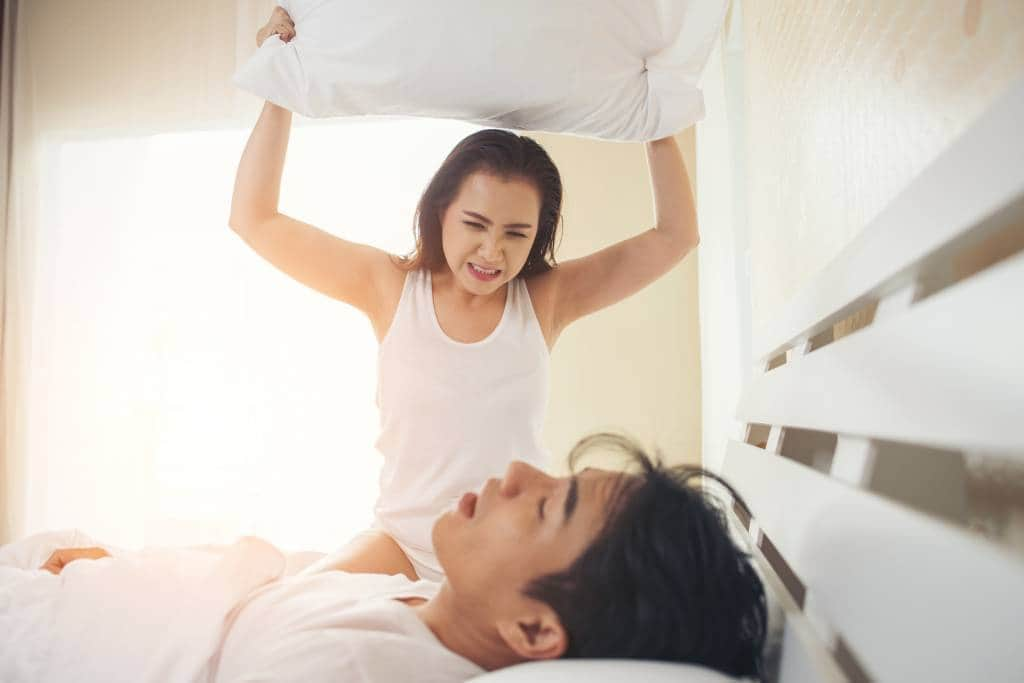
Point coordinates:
[(613, 69), (603, 671)]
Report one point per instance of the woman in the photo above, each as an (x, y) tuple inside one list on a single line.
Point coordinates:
[(466, 322)]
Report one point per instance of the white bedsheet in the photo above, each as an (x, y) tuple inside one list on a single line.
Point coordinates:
[(152, 615)]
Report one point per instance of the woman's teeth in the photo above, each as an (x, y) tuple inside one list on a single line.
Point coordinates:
[(484, 271)]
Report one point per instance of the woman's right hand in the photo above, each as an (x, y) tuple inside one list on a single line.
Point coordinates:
[(279, 24)]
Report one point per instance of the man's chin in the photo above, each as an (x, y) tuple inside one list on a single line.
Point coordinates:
[(440, 534)]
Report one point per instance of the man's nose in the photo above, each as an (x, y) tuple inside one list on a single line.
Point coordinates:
[(520, 476)]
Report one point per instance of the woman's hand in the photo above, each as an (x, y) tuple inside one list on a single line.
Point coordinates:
[(280, 24), (60, 558)]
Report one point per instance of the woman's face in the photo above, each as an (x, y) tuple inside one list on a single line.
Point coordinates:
[(488, 230)]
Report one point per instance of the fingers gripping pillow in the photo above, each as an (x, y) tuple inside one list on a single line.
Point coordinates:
[(613, 69)]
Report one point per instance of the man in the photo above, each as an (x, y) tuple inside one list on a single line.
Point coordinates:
[(599, 564)]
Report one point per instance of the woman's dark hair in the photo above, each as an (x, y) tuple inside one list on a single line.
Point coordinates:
[(663, 579), (507, 156)]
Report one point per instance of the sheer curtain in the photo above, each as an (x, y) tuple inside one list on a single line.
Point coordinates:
[(8, 20), (162, 383)]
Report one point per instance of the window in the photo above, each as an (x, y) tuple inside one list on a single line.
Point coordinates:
[(182, 389)]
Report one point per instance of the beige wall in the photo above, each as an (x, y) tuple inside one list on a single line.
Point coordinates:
[(846, 104), (634, 366), (819, 113), (106, 65)]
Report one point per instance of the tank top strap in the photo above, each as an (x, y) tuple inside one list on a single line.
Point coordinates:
[(523, 303), (408, 314)]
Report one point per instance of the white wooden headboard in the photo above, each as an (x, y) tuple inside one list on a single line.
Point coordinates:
[(893, 375)]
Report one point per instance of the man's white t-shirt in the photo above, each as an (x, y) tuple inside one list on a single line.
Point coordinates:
[(338, 627)]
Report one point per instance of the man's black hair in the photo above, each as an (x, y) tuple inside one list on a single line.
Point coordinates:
[(663, 579)]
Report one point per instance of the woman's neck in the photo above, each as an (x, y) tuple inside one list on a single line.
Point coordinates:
[(446, 287)]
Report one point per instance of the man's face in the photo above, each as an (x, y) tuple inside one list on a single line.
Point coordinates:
[(518, 528)]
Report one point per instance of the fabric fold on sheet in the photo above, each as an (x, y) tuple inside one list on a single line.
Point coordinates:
[(156, 615)]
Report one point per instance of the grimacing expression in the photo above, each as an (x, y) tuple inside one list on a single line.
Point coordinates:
[(488, 230), (520, 527)]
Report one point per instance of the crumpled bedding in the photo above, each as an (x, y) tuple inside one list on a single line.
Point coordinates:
[(152, 615)]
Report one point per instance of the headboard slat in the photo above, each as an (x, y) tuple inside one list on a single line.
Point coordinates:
[(914, 597), (947, 373)]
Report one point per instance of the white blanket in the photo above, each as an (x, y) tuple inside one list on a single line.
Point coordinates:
[(153, 615)]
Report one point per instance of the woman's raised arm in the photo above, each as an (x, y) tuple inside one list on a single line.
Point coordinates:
[(357, 274), (585, 285)]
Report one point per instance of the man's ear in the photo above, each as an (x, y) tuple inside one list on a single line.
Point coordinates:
[(535, 635)]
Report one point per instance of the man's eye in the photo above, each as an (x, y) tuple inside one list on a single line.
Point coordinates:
[(540, 507)]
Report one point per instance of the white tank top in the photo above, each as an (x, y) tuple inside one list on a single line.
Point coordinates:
[(453, 414)]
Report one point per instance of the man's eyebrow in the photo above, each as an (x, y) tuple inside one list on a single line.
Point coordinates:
[(571, 498), (488, 221)]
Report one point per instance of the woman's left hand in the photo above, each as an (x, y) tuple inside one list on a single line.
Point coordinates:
[(62, 556)]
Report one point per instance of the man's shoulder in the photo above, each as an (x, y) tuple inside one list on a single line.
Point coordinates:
[(394, 645)]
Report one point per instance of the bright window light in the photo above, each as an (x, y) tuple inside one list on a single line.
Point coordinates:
[(183, 390)]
